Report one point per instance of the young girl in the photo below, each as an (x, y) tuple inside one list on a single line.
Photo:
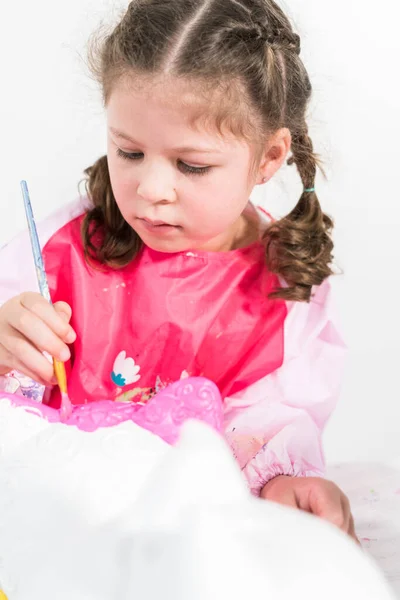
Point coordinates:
[(167, 270)]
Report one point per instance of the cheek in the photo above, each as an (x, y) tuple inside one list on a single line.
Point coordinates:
[(121, 179), (223, 199), (216, 212)]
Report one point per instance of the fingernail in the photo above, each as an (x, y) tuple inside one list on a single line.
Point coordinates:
[(65, 355), (54, 380)]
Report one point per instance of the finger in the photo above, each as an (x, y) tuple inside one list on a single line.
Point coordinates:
[(21, 368), (347, 516), (12, 363), (64, 310), (51, 317), (38, 333), (5, 360), (326, 502), (22, 355), (352, 531)]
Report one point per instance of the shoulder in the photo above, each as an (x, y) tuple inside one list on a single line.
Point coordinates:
[(49, 226), (17, 272), (62, 219), (64, 227), (314, 322), (307, 324)]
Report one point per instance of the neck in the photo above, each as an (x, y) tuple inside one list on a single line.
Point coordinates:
[(247, 229)]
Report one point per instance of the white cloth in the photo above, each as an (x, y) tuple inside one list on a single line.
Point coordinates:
[(118, 514)]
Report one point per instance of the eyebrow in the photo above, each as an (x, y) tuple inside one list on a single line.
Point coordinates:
[(181, 149)]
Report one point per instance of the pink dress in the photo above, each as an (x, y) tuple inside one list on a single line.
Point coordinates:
[(166, 317)]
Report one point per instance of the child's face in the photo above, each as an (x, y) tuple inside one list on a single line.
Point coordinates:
[(178, 187)]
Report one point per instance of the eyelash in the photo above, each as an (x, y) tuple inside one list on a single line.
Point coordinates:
[(186, 168)]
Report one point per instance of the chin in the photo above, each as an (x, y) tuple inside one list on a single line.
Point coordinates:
[(166, 246)]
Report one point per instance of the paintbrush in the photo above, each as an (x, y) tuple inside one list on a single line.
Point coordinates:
[(59, 367)]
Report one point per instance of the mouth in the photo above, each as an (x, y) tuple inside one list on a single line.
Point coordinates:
[(157, 225)]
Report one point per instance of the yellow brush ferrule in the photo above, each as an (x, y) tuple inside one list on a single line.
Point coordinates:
[(61, 376)]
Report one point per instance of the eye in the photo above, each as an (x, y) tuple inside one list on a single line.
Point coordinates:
[(183, 166), (194, 170), (129, 155)]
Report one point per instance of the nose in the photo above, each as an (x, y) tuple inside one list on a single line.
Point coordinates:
[(157, 184)]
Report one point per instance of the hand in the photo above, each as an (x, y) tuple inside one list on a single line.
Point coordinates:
[(313, 495), (29, 326)]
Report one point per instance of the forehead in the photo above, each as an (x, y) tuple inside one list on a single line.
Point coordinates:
[(172, 105)]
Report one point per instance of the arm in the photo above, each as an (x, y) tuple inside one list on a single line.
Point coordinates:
[(17, 276), (274, 427)]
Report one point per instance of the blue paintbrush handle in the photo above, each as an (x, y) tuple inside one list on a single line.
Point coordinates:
[(37, 253)]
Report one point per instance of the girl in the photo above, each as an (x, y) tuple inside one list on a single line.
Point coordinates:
[(167, 270)]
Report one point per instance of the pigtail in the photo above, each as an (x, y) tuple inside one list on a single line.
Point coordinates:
[(299, 246), (107, 237)]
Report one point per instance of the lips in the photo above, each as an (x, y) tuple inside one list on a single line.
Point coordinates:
[(157, 223)]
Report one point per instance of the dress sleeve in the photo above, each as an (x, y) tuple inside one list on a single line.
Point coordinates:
[(17, 271), (274, 426), (17, 275)]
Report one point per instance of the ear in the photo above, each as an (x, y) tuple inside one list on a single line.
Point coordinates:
[(276, 150)]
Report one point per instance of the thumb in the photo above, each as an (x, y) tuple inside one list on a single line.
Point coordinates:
[(63, 310)]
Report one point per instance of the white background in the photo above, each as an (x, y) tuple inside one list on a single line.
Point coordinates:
[(52, 127)]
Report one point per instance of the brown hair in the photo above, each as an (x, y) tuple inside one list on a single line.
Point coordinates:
[(248, 49)]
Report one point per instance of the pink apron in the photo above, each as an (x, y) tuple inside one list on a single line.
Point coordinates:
[(165, 317)]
